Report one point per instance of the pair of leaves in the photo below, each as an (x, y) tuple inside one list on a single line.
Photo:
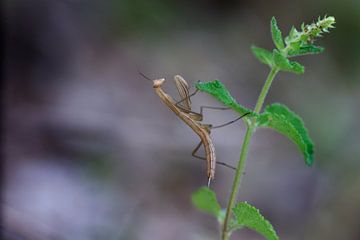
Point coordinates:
[(276, 59), (284, 64), (283, 120), (275, 116), (244, 215)]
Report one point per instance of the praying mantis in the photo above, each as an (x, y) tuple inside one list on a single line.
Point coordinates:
[(193, 119)]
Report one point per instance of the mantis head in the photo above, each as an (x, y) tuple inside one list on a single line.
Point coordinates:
[(158, 82)]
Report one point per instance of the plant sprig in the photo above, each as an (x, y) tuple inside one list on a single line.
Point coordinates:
[(275, 116), (297, 43)]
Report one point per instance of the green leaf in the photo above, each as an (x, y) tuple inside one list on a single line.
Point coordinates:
[(279, 60), (248, 216), (263, 55), (306, 49), (293, 34), (295, 46), (276, 34), (284, 64), (296, 68), (220, 92), (283, 120), (205, 200)]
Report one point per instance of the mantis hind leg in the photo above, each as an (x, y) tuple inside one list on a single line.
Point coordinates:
[(193, 153), (194, 115), (196, 149), (228, 123), (209, 127)]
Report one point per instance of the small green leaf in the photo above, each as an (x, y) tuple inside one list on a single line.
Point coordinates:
[(248, 216), (293, 34), (205, 200), (296, 68), (285, 65), (276, 34), (283, 120), (306, 49), (280, 61), (263, 55), (219, 91), (295, 46)]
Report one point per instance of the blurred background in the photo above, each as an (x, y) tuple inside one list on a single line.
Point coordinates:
[(92, 153)]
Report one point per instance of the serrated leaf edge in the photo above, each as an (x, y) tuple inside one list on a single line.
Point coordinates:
[(276, 34), (233, 104), (307, 145), (267, 224)]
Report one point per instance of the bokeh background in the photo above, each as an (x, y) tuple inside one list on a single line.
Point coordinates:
[(92, 153)]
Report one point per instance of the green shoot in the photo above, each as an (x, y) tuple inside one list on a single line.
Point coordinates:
[(275, 116)]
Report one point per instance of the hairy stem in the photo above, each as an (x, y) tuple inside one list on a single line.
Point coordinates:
[(237, 180), (244, 150), (265, 89)]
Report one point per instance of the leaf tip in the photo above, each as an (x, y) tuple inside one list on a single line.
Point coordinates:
[(309, 159), (273, 20)]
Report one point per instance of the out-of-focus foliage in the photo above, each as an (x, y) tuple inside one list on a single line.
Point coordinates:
[(245, 215), (84, 134), (205, 200)]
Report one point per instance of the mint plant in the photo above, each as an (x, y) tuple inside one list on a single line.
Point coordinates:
[(276, 116)]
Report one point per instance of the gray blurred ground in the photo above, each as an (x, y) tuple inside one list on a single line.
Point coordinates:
[(92, 153)]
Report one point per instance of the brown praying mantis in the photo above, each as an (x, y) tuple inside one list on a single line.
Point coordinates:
[(193, 119)]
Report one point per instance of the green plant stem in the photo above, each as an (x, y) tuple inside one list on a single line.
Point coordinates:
[(243, 155), (265, 89), (237, 181)]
